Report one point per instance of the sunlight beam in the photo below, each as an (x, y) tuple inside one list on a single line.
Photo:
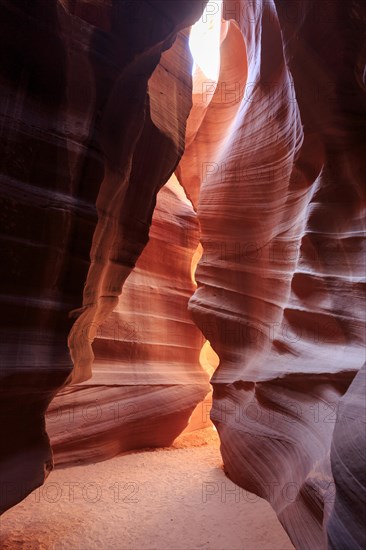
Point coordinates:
[(204, 41)]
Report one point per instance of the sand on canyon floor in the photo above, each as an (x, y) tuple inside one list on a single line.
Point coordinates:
[(161, 499)]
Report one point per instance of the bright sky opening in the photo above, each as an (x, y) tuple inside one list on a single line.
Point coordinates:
[(204, 41)]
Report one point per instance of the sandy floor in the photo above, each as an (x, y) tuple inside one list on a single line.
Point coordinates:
[(167, 499)]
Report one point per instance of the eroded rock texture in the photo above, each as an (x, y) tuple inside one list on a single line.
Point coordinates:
[(147, 377), (276, 169), (80, 171), (346, 526), (93, 123)]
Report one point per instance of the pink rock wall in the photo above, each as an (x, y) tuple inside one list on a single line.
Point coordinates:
[(147, 378), (280, 293), (79, 175), (93, 124)]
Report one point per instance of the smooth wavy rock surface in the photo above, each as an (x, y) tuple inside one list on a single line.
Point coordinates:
[(80, 171), (346, 526), (275, 168), (147, 377), (95, 100)]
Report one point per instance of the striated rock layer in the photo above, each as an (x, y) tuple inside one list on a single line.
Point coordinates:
[(346, 526), (85, 148), (275, 165), (147, 377), (93, 123)]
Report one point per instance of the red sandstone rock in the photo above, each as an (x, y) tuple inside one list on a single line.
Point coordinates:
[(274, 166), (82, 161), (147, 376), (281, 205)]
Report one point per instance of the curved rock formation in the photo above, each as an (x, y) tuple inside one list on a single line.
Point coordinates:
[(147, 377), (93, 124), (79, 181), (280, 284), (346, 526)]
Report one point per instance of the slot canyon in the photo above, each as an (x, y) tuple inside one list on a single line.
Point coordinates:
[(183, 274)]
